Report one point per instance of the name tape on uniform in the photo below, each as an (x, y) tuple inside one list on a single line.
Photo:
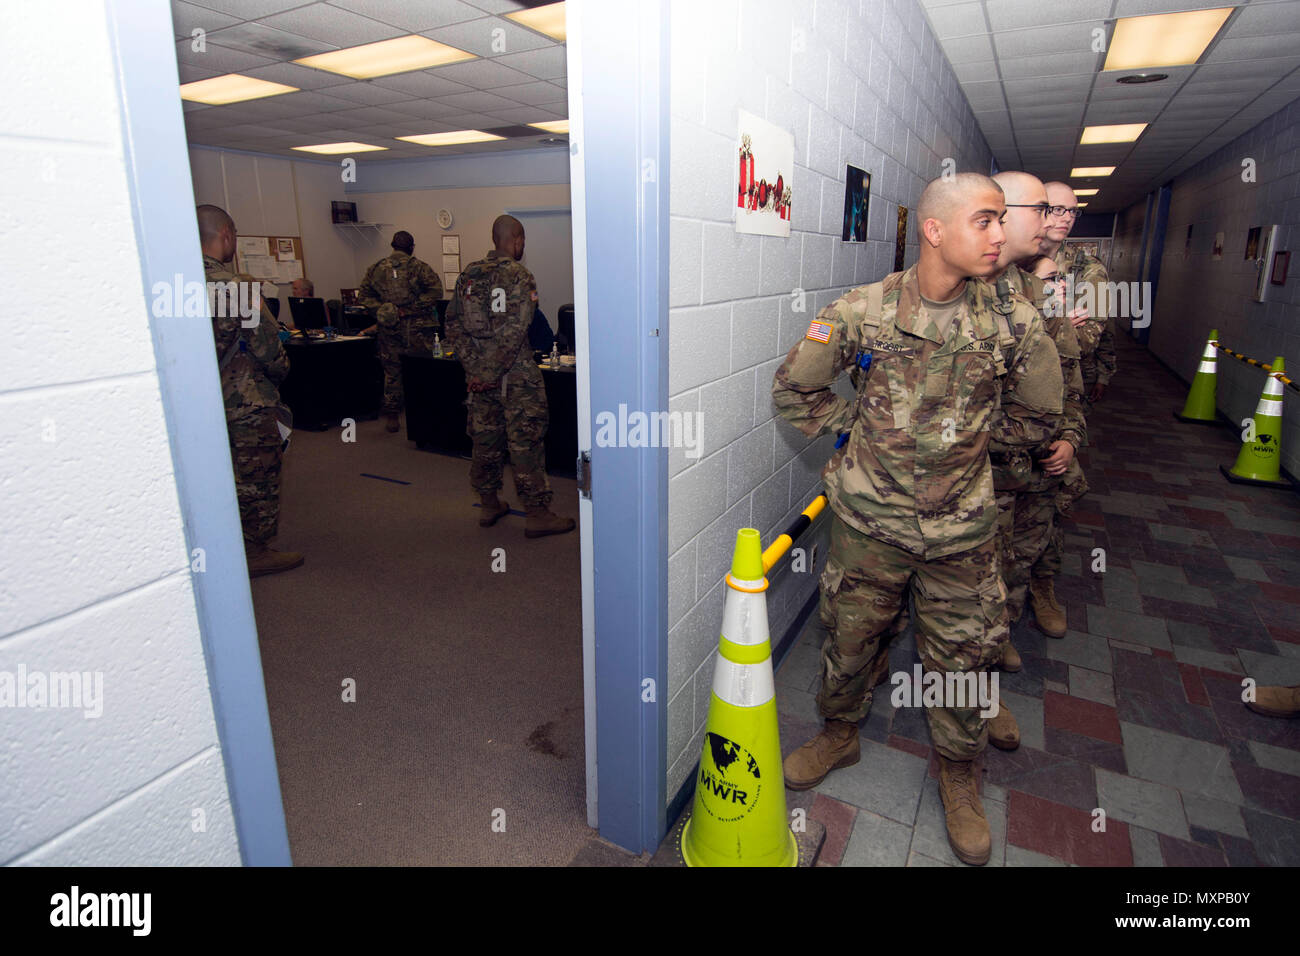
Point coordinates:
[(819, 332)]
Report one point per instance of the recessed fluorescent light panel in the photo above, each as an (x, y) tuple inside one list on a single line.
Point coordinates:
[(331, 149), (548, 19), (399, 55), (1123, 133), (555, 126), (231, 88), (1086, 192), (1167, 39), (1087, 172), (454, 138)]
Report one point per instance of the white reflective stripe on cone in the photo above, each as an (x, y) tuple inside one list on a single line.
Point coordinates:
[(743, 685), (744, 620), (1206, 367), (1209, 351)]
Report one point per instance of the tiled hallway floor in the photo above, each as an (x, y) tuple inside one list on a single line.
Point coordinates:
[(1138, 711)]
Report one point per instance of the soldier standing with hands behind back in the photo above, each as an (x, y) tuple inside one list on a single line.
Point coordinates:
[(487, 325), (405, 292)]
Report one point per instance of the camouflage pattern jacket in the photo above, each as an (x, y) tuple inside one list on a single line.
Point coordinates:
[(914, 471), (1016, 469), (489, 315), (1097, 361), (253, 362), (403, 281)]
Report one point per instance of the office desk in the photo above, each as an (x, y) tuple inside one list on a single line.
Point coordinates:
[(330, 380), (436, 414)]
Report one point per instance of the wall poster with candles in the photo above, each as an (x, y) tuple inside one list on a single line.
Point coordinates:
[(764, 177)]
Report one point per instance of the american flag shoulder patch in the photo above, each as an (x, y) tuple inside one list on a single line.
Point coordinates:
[(819, 332)]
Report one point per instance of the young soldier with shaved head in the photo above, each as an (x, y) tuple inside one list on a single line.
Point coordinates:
[(252, 365), (1029, 481), (487, 325), (938, 372), (1096, 331)]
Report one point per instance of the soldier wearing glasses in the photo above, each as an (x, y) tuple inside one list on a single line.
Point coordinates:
[(1096, 332)]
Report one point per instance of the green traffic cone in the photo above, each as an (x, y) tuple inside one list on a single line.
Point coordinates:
[(1200, 399), (1259, 461)]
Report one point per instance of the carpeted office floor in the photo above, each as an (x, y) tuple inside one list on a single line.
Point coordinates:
[(468, 682)]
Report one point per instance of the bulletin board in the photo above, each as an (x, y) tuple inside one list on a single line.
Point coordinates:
[(277, 259)]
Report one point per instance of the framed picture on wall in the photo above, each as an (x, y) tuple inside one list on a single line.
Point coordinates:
[(1266, 266), (900, 240), (857, 198), (1281, 262), (1252, 243)]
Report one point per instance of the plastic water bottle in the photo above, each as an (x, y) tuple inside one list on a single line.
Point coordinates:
[(437, 346), (555, 356)]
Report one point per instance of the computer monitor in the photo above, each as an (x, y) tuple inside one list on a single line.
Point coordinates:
[(308, 313), (565, 331)]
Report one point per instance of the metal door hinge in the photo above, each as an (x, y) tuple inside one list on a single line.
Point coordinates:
[(584, 474)]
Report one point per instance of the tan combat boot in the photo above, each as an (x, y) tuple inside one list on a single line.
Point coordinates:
[(1004, 732), (542, 522), (263, 560), (968, 830), (1049, 615), (494, 509), (1011, 661), (1276, 701), (836, 746), (392, 424)]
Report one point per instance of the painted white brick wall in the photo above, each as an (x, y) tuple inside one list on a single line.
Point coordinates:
[(856, 81), (94, 572), (1199, 293)]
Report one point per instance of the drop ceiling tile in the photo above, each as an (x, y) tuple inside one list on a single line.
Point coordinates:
[(368, 94), (186, 17), (421, 83), (218, 58), (309, 101), (250, 9), (320, 21), (478, 102), (967, 50), (501, 6), (191, 74), (1072, 39), (546, 64), (248, 131), (1265, 19), (1076, 86), (481, 37), (412, 16), (1254, 84), (468, 120), (1015, 14), (1142, 8), (524, 115), (984, 96), (1233, 98), (486, 74), (1055, 114), (422, 109), (264, 41), (536, 93), (975, 72), (958, 20), (1255, 48), (302, 77), (1110, 114), (368, 116), (1054, 64)]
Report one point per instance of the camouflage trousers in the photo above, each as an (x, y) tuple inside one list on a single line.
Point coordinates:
[(255, 450), (413, 335), (516, 423), (960, 616), (1030, 542)]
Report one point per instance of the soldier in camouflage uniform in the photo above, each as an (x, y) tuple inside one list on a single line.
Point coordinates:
[(404, 291), (252, 364), (487, 326), (1096, 332), (910, 487), (1027, 480)]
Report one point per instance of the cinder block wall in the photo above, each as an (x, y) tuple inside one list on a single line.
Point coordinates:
[(861, 83), (94, 572), (1199, 292)]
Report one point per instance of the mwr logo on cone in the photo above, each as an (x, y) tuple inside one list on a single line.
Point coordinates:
[(730, 779)]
